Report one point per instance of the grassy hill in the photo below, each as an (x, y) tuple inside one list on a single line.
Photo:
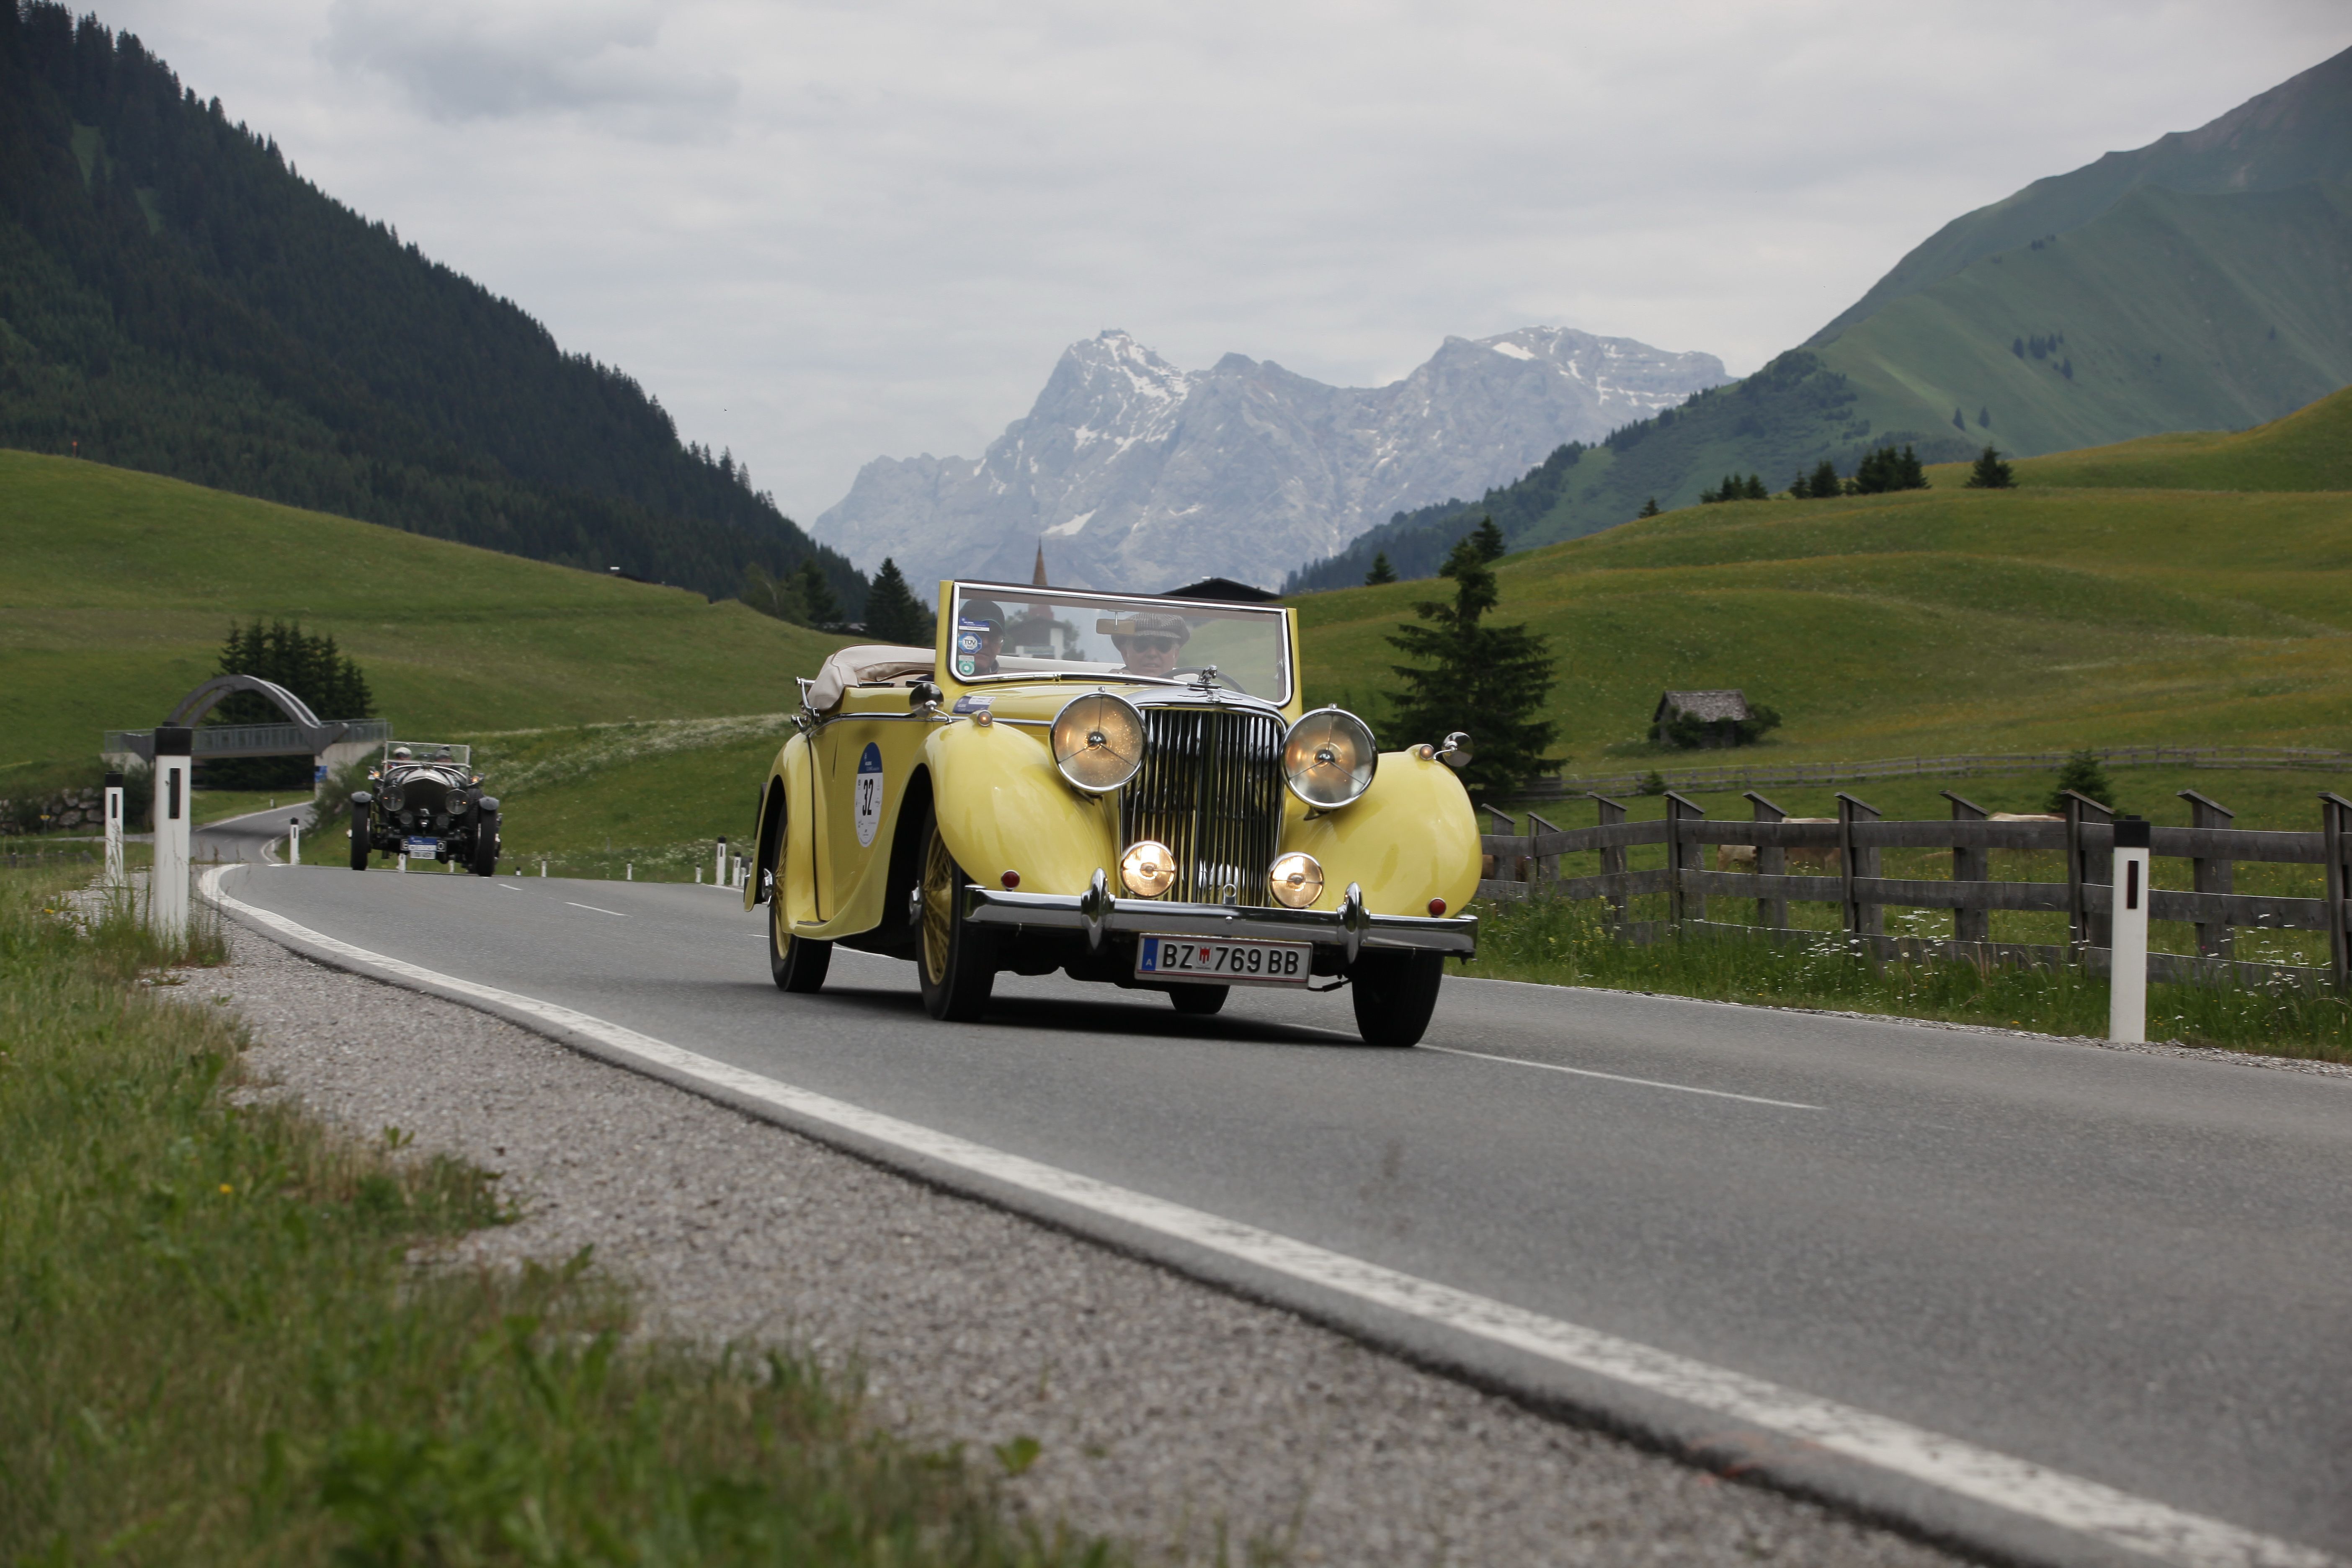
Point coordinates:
[(117, 588), (2310, 449), (1948, 620)]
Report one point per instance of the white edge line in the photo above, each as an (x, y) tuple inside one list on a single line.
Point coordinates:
[(2105, 1513), (614, 913), (1621, 1078)]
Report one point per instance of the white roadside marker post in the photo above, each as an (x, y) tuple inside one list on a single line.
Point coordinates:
[(294, 840), (718, 866), (114, 830), (630, 873), (167, 884), (404, 862), (2128, 947)]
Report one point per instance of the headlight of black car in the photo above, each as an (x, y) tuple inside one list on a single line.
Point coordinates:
[(1098, 741), (1329, 758), (395, 797), (456, 802)]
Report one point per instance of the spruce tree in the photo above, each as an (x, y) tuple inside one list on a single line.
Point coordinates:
[(1490, 681), (1489, 540), (1756, 490), (777, 597), (1825, 480), (816, 593), (2084, 776), (1650, 507), (1910, 476), (1990, 473), (1984, 418), (1381, 571), (893, 614)]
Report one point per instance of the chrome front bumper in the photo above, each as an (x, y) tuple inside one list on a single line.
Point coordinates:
[(1096, 913)]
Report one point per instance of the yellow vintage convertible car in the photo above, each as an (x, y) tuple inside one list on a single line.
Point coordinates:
[(1128, 789)]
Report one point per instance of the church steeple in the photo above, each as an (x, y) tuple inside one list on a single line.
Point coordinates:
[(1037, 577)]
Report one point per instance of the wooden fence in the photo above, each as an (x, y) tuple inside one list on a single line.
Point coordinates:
[(1765, 773), (1527, 865)]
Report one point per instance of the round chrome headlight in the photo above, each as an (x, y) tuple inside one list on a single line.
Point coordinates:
[(1329, 758), (396, 798), (1098, 741), (1296, 880), (1148, 868), (456, 802)]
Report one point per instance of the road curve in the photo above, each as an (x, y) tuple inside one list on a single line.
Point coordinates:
[(2130, 1268)]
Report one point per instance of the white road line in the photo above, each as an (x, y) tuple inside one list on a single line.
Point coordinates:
[(1621, 1078), (615, 914), (2104, 1513), (503, 888)]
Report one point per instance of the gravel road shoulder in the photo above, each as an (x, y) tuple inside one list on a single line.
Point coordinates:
[(1193, 1424)]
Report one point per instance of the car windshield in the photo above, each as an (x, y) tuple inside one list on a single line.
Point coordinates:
[(1004, 632)]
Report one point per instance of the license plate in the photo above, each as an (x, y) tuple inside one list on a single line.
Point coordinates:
[(424, 848), (1213, 961)]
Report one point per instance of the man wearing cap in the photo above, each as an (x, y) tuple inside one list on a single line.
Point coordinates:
[(1153, 645), (978, 637)]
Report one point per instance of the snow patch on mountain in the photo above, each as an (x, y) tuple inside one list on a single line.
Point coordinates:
[(1142, 476)]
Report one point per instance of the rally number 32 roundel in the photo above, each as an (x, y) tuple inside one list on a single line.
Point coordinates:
[(868, 798)]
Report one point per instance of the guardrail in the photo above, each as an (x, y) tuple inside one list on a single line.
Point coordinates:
[(1766, 775), (1523, 866)]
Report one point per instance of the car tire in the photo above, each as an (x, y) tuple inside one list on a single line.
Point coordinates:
[(1198, 1001), (798, 963), (955, 961), (485, 844), (359, 838), (1396, 992)]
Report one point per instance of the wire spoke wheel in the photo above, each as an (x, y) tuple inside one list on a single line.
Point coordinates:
[(958, 966)]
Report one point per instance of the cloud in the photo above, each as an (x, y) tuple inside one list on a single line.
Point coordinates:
[(826, 230), (469, 61)]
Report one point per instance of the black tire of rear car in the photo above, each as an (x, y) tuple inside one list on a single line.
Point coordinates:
[(359, 838), (1396, 992), (1198, 1001), (797, 963), (955, 960), (485, 844)]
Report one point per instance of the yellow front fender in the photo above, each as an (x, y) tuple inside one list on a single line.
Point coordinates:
[(1004, 807), (1412, 838)]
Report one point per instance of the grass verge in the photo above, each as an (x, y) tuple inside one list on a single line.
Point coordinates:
[(1557, 943), (227, 1340)]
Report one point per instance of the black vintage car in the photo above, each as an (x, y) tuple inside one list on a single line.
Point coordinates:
[(424, 801)]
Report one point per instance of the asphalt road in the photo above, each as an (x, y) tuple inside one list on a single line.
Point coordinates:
[(2135, 1269)]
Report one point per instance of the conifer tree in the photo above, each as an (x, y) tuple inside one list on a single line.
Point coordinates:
[(1650, 507), (1381, 571), (1825, 480), (1489, 540), (777, 597), (1990, 473), (1754, 489), (893, 614), (816, 594), (1489, 682), (2084, 776)]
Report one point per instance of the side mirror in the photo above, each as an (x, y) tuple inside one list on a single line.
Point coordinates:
[(922, 694), (1455, 752)]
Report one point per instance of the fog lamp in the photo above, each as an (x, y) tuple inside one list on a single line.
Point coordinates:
[(1148, 868), (1296, 880)]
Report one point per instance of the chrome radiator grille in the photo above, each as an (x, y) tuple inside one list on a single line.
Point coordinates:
[(1211, 790)]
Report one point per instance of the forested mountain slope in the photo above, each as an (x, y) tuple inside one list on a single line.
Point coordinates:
[(174, 298)]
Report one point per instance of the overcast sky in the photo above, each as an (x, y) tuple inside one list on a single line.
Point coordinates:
[(824, 232)]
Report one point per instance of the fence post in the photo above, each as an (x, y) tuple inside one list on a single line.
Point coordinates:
[(1608, 813), (1542, 867), (114, 830), (2083, 931), (1969, 864), (167, 883), (2215, 939), (2128, 947), (1861, 917), (1685, 901), (1771, 860), (2333, 809)]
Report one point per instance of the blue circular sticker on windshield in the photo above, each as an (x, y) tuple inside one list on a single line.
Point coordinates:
[(968, 642)]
